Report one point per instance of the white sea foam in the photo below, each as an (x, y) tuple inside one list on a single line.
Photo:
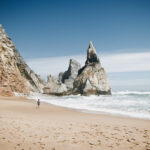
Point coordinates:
[(133, 104), (19, 94), (131, 92)]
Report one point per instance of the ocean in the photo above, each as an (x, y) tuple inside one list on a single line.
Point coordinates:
[(124, 103)]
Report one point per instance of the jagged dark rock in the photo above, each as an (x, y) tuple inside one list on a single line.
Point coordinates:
[(92, 78), (60, 76), (68, 76), (91, 55)]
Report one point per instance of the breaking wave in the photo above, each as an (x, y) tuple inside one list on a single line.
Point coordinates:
[(125, 103)]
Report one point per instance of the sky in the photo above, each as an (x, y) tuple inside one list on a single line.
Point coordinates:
[(48, 33)]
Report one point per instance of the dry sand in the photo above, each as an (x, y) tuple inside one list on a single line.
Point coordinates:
[(24, 127)]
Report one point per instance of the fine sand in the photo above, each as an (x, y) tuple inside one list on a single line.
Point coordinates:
[(24, 127)]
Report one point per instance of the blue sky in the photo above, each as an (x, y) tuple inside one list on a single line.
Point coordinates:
[(49, 29)]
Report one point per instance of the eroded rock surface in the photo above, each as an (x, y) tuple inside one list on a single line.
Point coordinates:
[(54, 87), (92, 78), (15, 74), (69, 76)]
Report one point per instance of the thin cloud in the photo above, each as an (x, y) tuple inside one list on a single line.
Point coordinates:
[(127, 62), (124, 62)]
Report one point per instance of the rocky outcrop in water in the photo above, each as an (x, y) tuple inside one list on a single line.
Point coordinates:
[(69, 76), (92, 78), (15, 74), (54, 87)]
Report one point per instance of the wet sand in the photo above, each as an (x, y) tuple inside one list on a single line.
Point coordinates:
[(25, 127)]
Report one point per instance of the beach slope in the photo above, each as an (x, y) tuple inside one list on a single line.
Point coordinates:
[(25, 127)]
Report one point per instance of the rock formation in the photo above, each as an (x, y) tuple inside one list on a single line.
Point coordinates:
[(15, 74), (34, 81), (69, 76), (54, 87), (92, 78)]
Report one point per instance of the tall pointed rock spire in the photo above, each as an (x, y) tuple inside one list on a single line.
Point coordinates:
[(92, 78), (91, 45), (91, 54)]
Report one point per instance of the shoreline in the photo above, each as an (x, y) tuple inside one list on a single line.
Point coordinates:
[(94, 112), (23, 126), (84, 111), (113, 114)]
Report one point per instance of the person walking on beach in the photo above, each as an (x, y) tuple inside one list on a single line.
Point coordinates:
[(38, 103)]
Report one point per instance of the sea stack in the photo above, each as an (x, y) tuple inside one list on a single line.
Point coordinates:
[(69, 76), (54, 87), (92, 78)]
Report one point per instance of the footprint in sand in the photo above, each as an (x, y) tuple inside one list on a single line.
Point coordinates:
[(27, 125), (132, 139), (18, 145), (74, 142), (110, 146), (145, 136), (10, 133), (8, 141), (148, 143), (99, 142)]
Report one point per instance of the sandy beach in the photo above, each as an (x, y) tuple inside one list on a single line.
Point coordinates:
[(24, 127)]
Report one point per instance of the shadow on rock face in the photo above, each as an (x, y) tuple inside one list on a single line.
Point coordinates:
[(92, 78)]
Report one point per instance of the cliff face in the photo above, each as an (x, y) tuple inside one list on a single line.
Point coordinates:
[(92, 78), (15, 74)]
